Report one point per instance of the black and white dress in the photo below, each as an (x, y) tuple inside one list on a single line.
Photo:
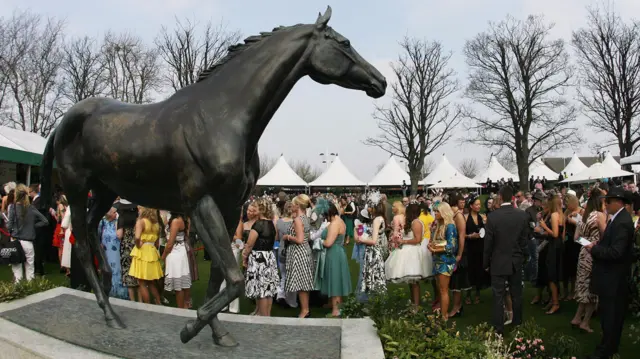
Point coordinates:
[(374, 279), (177, 273), (261, 278), (299, 262)]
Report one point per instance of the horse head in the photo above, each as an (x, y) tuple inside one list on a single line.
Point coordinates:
[(334, 61)]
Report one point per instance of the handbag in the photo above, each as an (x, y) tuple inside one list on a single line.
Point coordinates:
[(11, 252)]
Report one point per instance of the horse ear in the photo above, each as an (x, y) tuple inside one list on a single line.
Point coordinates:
[(322, 21)]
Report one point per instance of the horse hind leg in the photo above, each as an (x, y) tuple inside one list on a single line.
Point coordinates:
[(77, 201), (103, 198), (212, 228)]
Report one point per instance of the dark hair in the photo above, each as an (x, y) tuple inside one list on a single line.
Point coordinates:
[(506, 193), (454, 198), (379, 210), (412, 212), (593, 204), (314, 200), (344, 198), (280, 206), (176, 215), (127, 215), (34, 187), (424, 207), (604, 186), (332, 211)]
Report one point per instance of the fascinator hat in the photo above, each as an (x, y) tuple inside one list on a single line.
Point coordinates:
[(372, 199)]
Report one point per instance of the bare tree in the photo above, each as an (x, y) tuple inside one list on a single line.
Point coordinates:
[(508, 161), (420, 117), (307, 172), (266, 164), (608, 52), (30, 58), (83, 70), (132, 69), (520, 75), (469, 167), (188, 50)]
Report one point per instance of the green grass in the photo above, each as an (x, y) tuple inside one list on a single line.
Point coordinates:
[(473, 314)]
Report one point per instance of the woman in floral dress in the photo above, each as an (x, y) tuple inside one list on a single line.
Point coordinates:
[(374, 279), (444, 248), (111, 245), (590, 228), (128, 214)]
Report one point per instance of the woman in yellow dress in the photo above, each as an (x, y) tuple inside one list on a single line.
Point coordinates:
[(145, 258)]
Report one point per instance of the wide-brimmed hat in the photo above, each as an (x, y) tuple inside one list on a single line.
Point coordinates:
[(618, 193), (365, 212), (539, 196)]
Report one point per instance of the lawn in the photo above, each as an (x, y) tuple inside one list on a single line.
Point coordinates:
[(473, 314)]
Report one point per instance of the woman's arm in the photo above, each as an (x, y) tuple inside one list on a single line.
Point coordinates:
[(238, 234), (450, 235), (120, 233), (40, 220), (332, 234), (375, 233), (299, 229), (173, 233), (138, 232), (251, 241)]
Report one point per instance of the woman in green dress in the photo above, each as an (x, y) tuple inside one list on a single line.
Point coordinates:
[(336, 281)]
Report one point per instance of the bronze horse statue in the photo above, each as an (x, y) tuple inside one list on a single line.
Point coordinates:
[(195, 152)]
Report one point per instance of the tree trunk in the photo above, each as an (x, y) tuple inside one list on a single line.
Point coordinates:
[(415, 178), (522, 160)]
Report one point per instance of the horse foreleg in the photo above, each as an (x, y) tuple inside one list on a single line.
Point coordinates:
[(212, 229), (85, 255), (103, 201)]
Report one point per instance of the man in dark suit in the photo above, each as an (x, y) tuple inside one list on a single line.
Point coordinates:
[(612, 259), (42, 233), (505, 245)]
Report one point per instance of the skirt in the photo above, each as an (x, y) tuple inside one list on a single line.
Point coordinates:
[(348, 222), (300, 270), (126, 245), (177, 274), (145, 262), (58, 236), (65, 261), (261, 278), (406, 265)]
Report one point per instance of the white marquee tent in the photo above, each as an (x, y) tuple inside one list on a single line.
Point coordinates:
[(456, 181), (281, 175), (390, 175), (595, 172), (539, 169), (495, 172), (609, 161), (444, 170), (337, 175), (574, 167)]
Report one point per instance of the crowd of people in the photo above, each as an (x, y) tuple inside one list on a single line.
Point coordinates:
[(572, 245)]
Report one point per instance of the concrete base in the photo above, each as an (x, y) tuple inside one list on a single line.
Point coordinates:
[(31, 328)]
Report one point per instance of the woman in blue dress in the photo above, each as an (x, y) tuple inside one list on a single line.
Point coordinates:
[(111, 244), (444, 247)]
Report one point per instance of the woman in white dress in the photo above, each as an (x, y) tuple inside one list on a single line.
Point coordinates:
[(65, 260), (406, 264), (177, 274)]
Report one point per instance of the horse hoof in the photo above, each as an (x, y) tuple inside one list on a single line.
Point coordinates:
[(225, 340), (187, 333), (115, 323)]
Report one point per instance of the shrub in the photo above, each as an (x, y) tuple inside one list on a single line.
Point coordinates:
[(409, 332), (11, 291)]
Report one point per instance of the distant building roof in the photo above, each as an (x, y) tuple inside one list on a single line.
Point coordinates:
[(557, 164)]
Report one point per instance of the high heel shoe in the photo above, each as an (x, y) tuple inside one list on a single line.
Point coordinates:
[(552, 311), (458, 313)]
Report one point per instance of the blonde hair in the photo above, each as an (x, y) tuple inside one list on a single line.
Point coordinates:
[(22, 198), (286, 209), (264, 206), (447, 218), (149, 213), (302, 201), (571, 199), (399, 207)]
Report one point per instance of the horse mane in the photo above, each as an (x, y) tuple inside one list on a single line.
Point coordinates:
[(238, 48)]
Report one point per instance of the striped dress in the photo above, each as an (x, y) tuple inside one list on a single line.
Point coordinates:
[(299, 263), (590, 232)]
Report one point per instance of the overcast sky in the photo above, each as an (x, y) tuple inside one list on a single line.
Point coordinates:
[(337, 120)]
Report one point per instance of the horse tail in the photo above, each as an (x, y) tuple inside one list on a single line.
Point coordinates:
[(46, 171)]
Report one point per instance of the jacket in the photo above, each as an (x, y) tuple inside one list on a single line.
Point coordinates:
[(24, 229)]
